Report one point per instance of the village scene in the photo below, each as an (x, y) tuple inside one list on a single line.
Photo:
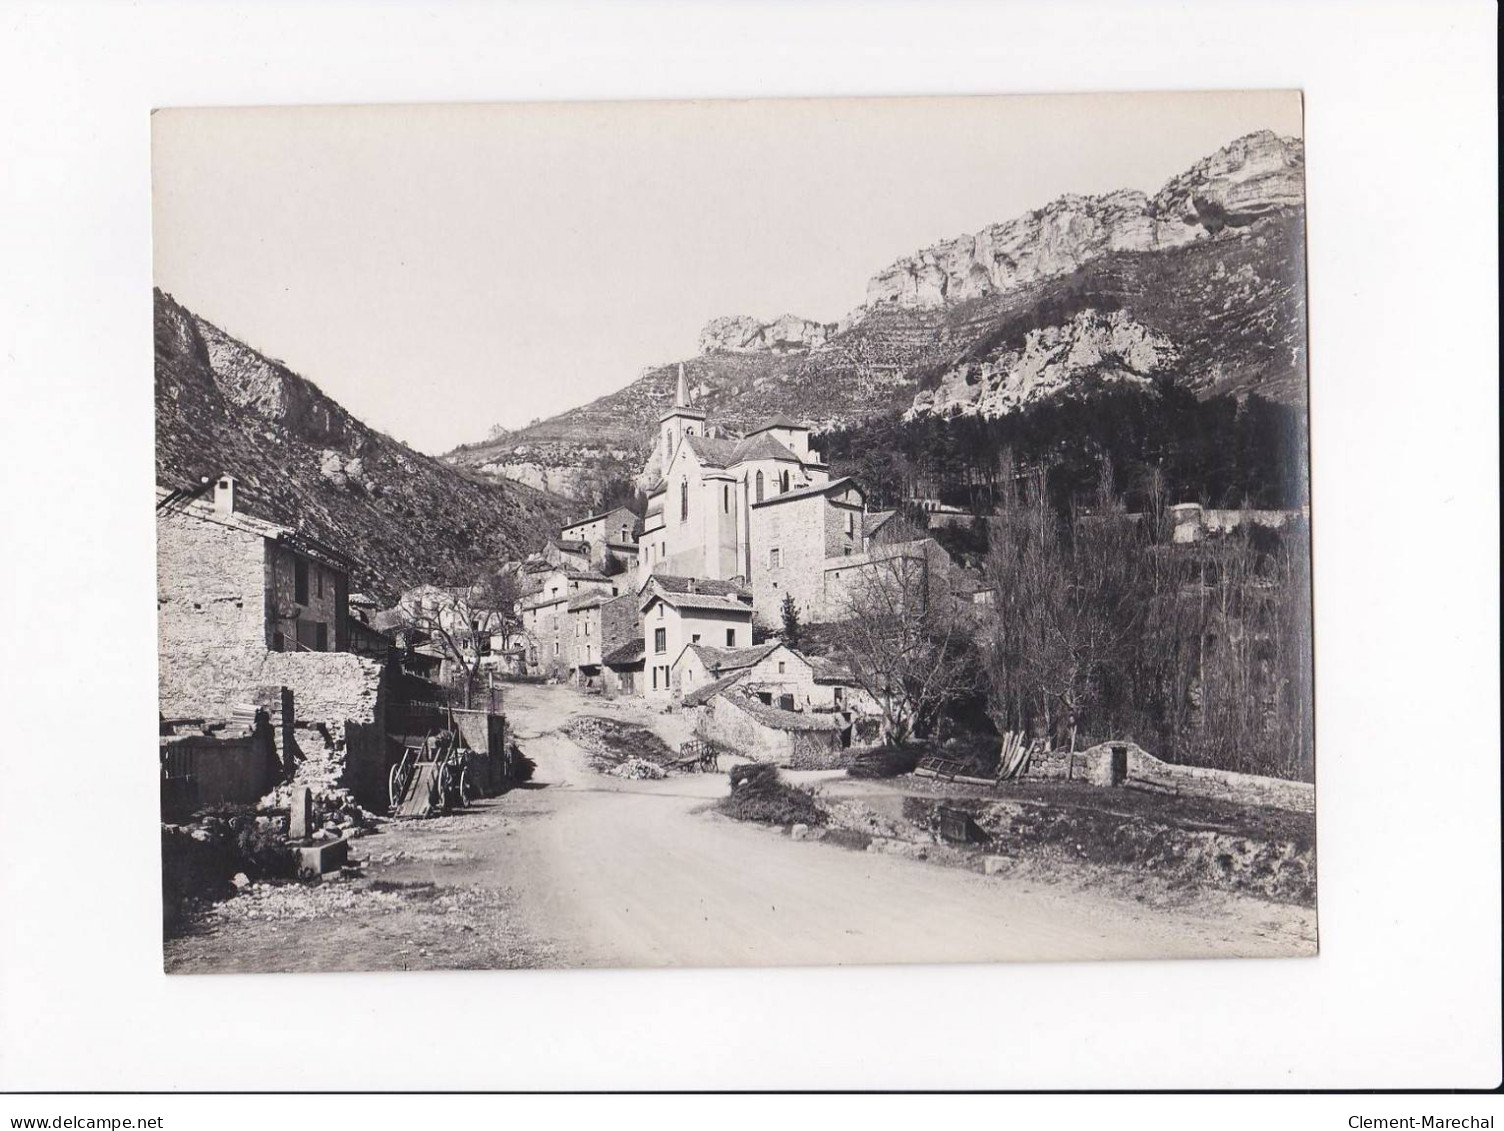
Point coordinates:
[(764, 685)]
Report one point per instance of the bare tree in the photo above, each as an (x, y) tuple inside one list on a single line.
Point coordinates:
[(1066, 612), (906, 644), (462, 622)]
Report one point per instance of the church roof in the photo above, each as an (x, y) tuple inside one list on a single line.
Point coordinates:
[(762, 446), (780, 420), (807, 492)]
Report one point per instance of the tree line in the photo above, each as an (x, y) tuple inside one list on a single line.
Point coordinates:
[(1220, 451)]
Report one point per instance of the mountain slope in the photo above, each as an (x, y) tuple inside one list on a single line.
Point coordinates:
[(1210, 269), (302, 459)]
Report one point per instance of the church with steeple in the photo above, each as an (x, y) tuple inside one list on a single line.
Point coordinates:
[(699, 514)]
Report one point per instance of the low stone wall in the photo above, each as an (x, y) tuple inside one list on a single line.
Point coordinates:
[(1222, 785)]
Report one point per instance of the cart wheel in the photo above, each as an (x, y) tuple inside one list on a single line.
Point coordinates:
[(394, 786), (465, 795)]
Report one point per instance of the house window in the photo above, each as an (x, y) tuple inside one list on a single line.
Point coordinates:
[(759, 487), (300, 581), (775, 558), (655, 677), (784, 482), (780, 667), (838, 696), (695, 639), (660, 640), (683, 499), (318, 574), (556, 647), (850, 524), (731, 638), (660, 611), (726, 499), (624, 534)]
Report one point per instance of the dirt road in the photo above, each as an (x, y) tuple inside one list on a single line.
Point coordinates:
[(644, 874), (583, 869)]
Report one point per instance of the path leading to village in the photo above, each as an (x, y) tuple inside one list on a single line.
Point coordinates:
[(580, 868), (644, 874)]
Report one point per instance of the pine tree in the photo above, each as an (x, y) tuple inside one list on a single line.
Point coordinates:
[(790, 613)]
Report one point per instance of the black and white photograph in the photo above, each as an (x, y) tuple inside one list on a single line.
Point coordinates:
[(710, 565), (753, 533)]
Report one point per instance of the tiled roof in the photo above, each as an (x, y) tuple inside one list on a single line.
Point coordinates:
[(587, 601), (630, 652), (779, 719), (704, 601), (762, 446), (780, 420), (702, 695), (712, 450), (723, 660), (675, 583), (806, 492), (597, 517), (571, 545), (873, 521)]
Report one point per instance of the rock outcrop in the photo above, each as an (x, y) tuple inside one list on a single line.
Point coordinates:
[(740, 334), (1248, 179), (1051, 360)]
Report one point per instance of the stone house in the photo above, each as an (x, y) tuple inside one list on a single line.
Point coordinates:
[(614, 529), (677, 611), (771, 672), (232, 587), (800, 740), (546, 626), (254, 613), (565, 553), (599, 625), (919, 570), (799, 535), (623, 668)]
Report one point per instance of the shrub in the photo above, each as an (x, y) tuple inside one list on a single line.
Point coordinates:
[(884, 762), (759, 793)]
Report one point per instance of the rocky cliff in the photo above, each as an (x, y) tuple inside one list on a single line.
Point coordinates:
[(1203, 282), (406, 518), (1253, 177)]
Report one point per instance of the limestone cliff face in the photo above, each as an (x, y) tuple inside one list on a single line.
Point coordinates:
[(302, 459), (1092, 346), (740, 334), (1248, 179)]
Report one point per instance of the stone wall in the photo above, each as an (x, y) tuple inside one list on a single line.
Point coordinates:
[(1221, 785), (728, 722), (322, 606), (211, 614), (721, 720), (339, 709), (797, 530)]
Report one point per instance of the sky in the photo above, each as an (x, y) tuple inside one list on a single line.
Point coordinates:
[(441, 269)]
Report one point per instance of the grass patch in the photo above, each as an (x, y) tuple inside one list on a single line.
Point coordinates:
[(759, 793)]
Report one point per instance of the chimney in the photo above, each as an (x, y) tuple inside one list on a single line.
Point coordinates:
[(224, 495)]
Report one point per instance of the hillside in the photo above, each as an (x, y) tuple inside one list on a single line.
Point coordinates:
[(1202, 282), (302, 459)]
